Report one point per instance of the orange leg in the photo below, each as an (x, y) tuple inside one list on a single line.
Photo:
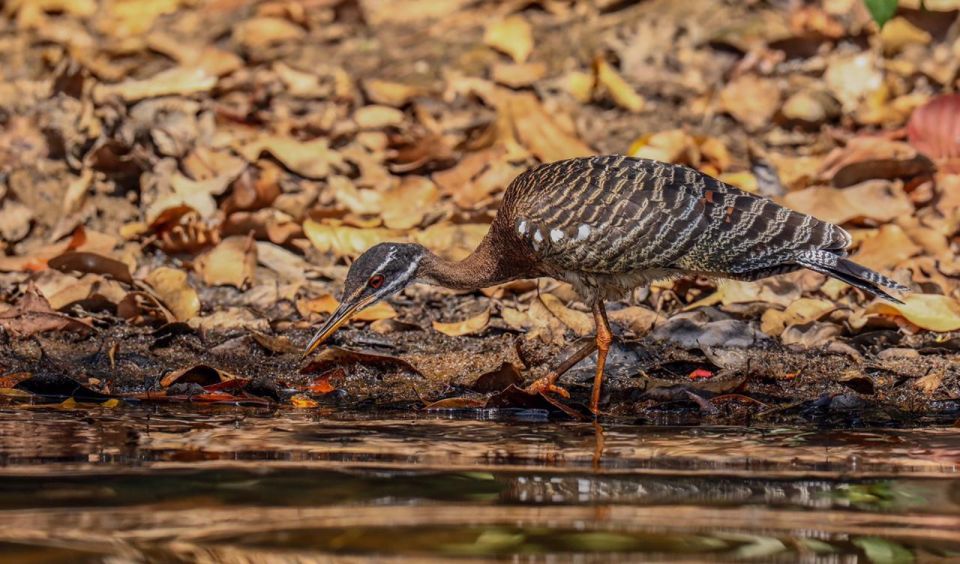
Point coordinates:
[(604, 338), (549, 382)]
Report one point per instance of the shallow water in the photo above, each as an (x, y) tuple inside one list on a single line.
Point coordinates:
[(238, 485)]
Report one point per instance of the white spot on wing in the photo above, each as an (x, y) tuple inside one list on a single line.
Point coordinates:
[(537, 236), (556, 235), (522, 228), (583, 232)]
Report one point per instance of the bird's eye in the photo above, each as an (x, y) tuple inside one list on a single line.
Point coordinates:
[(375, 281)]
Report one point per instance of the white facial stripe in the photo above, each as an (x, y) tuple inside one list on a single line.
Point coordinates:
[(399, 281)]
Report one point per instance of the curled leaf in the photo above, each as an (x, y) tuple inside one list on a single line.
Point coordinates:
[(933, 312)]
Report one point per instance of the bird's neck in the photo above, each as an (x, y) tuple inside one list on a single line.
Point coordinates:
[(483, 268)]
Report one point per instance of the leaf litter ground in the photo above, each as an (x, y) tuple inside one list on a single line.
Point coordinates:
[(185, 183)]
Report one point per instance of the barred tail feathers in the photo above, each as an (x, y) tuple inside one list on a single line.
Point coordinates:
[(850, 272)]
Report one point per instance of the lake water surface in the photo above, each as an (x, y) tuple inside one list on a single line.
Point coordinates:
[(230, 484)]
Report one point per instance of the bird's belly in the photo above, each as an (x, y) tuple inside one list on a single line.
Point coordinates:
[(592, 285)]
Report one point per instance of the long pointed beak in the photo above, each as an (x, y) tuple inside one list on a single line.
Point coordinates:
[(338, 318)]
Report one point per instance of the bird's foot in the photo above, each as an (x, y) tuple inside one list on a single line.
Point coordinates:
[(546, 385)]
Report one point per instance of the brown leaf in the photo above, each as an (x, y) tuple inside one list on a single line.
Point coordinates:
[(511, 35), (346, 241), (868, 157), (469, 326), (201, 374), (331, 358), (32, 314), (930, 383), (503, 377), (233, 262), (928, 311), (638, 319), (74, 261), (175, 292), (456, 403), (878, 200)]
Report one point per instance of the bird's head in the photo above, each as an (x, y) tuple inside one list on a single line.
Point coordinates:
[(380, 272)]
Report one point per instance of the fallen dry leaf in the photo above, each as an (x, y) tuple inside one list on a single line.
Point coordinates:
[(538, 130), (342, 240), (233, 262), (405, 205), (934, 129), (389, 93), (511, 35), (310, 159), (879, 200), (176, 81), (751, 100), (579, 322), (885, 250), (802, 311), (622, 93), (260, 33), (470, 326), (175, 292), (328, 304), (301, 401), (928, 311), (452, 241), (32, 314), (78, 261), (930, 383), (201, 374)]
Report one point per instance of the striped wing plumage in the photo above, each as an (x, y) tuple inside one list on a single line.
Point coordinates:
[(614, 215)]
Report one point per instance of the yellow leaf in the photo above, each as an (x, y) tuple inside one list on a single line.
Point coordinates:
[(511, 35), (181, 81), (933, 312), (111, 403), (233, 262), (798, 312), (405, 205), (622, 93), (172, 288), (469, 326), (68, 403), (346, 241), (329, 304), (310, 159), (302, 401), (579, 322)]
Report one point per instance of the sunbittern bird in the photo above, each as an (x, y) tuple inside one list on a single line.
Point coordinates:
[(607, 225)]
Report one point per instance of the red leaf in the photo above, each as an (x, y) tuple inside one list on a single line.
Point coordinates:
[(934, 130), (700, 374)]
